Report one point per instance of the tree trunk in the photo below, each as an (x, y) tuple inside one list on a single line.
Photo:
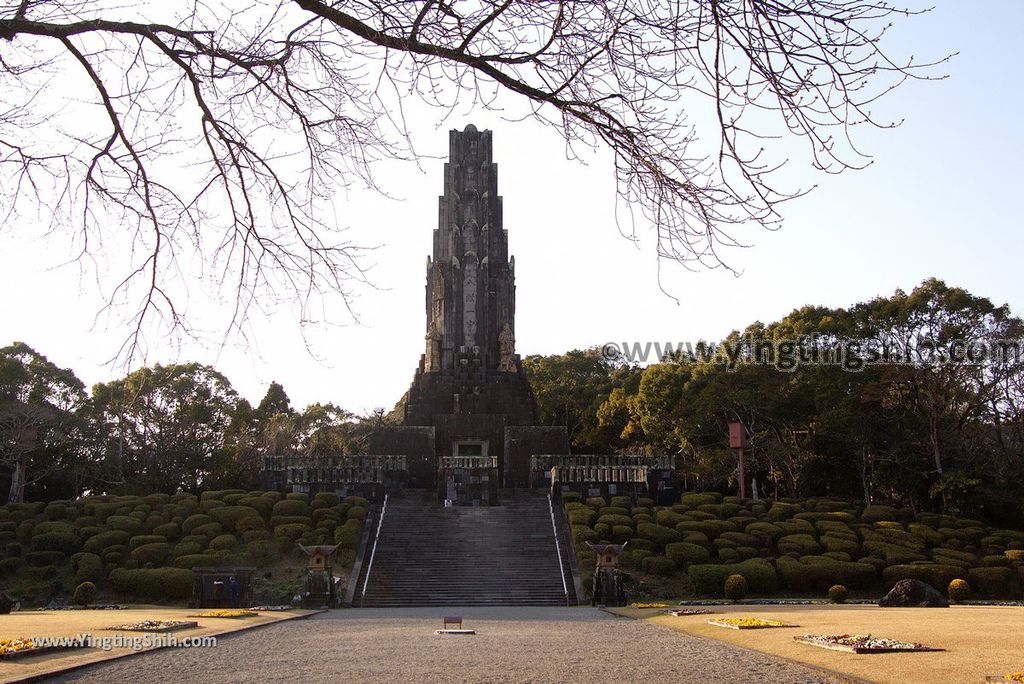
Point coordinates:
[(17, 491)]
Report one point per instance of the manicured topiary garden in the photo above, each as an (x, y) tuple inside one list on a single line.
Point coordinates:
[(794, 547), (143, 547)]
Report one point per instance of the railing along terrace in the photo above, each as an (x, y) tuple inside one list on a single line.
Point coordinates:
[(468, 462), (621, 468), (355, 468)]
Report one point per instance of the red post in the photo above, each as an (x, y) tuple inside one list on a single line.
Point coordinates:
[(738, 441)]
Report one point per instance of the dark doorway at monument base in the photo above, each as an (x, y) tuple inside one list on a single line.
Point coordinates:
[(469, 423)]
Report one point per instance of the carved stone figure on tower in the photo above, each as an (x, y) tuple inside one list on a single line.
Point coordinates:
[(432, 357), (507, 350)]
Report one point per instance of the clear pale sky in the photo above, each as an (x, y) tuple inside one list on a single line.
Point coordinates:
[(941, 199)]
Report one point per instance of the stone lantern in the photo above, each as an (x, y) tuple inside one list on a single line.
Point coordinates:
[(608, 589), (320, 590)]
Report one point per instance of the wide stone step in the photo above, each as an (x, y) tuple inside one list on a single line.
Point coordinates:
[(428, 555)]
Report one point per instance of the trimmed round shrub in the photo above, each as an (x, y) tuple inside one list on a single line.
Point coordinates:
[(746, 552), (698, 538), (657, 565), (893, 554), (88, 567), (933, 574), (574, 497), (142, 539), (582, 516), (710, 578), (632, 558), (208, 530), (668, 517), (85, 593), (357, 513), (622, 533), (64, 542), (995, 582), (710, 528), (154, 584), (194, 521), (289, 520), (613, 510), (11, 565), (613, 520), (197, 560), (349, 534), (124, 523), (839, 544), (329, 498), (659, 534), (693, 500), (208, 505), (169, 531), (603, 532), (262, 505), (318, 516), (290, 533), (683, 553), (622, 501), (741, 538), (48, 526), (837, 593), (581, 534), (39, 559), (155, 554), (258, 535), (261, 553), (764, 530), (641, 544), (230, 516), (55, 510), (728, 555), (958, 590), (357, 501), (248, 524), (596, 502), (795, 526), (803, 544), (735, 587), (223, 542), (783, 511)]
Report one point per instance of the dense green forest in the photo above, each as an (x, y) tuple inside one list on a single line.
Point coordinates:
[(925, 433)]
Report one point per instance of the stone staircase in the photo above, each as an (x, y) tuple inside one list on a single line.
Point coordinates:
[(429, 555)]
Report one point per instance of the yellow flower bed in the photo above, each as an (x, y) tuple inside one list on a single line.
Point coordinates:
[(1015, 676), (226, 614), (751, 622), (15, 645), (648, 605)]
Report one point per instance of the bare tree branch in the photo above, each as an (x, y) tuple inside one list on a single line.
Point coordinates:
[(225, 133)]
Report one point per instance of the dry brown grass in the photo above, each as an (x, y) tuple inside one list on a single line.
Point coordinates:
[(979, 640)]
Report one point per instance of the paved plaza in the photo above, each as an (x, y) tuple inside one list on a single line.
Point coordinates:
[(511, 645)]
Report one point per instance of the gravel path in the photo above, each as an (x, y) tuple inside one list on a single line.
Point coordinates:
[(511, 645)]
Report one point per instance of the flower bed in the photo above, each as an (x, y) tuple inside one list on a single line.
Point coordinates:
[(747, 623), (682, 612), (1011, 677), (862, 643), (155, 626), (227, 614), (19, 648), (648, 605), (271, 609)]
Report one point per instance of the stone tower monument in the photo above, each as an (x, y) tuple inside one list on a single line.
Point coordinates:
[(470, 388)]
